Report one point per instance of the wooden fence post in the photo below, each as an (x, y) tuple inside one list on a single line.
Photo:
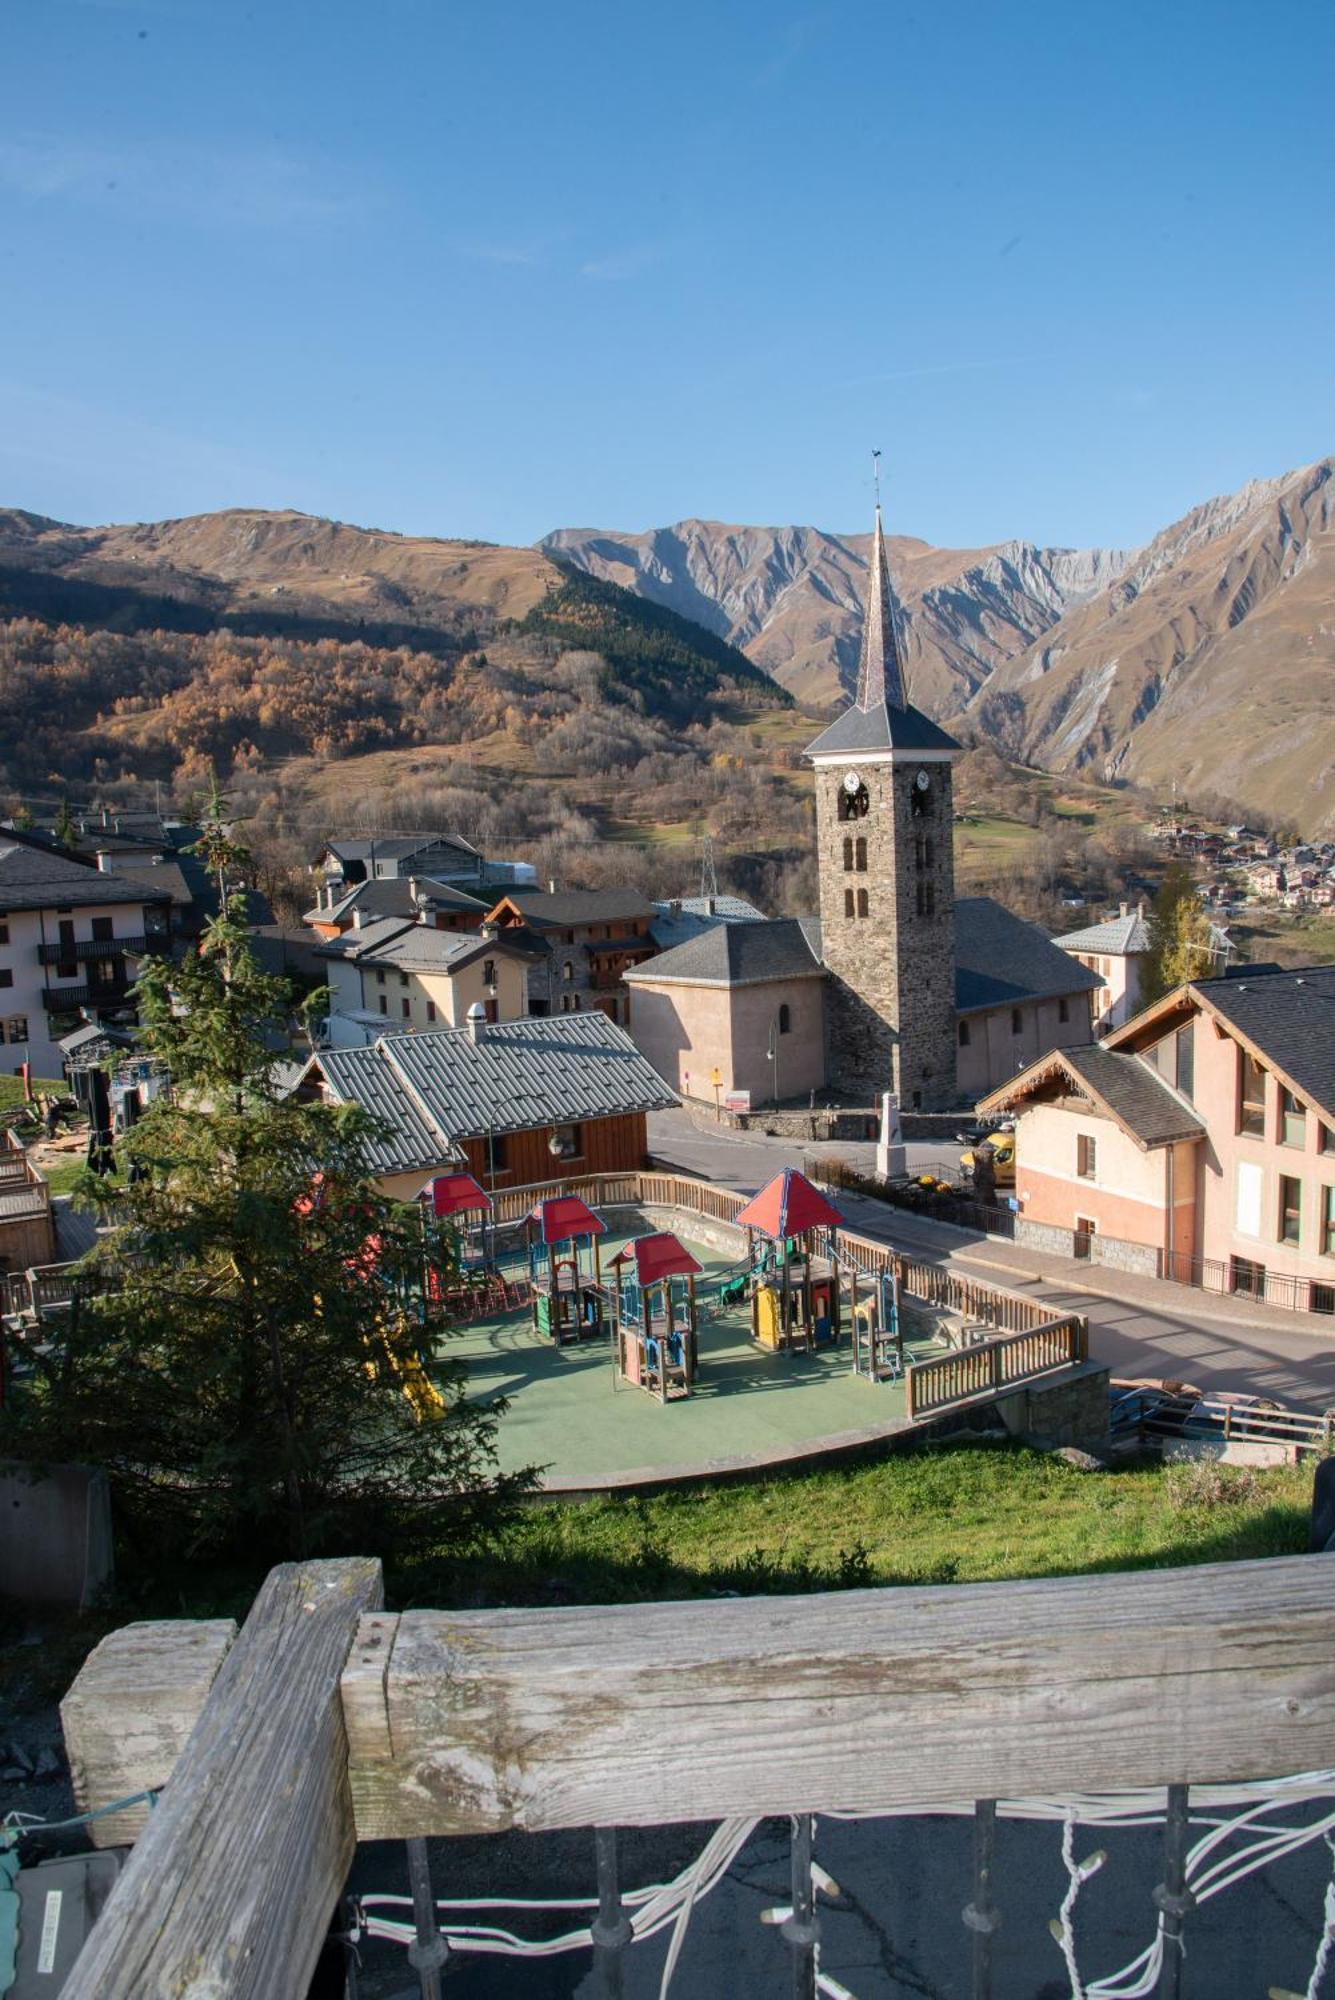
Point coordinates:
[(230, 1889)]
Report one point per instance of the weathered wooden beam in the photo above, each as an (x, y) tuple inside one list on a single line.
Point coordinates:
[(128, 1715), (857, 1701), (229, 1892)]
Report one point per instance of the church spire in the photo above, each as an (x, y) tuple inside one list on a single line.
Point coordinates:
[(880, 676)]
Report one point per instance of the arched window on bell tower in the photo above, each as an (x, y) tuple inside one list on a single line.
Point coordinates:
[(848, 854)]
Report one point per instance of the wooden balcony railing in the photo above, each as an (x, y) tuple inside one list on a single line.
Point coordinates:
[(329, 1721)]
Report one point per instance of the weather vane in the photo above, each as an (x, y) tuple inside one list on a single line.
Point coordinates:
[(876, 475)]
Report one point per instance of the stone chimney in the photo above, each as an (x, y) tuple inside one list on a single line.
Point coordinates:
[(477, 1021), (358, 919), (1121, 909)]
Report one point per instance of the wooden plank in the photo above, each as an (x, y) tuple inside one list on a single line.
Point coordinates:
[(230, 1888), (128, 1715), (856, 1701)]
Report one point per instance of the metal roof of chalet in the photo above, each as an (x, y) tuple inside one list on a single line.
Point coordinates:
[(519, 1076), (1129, 1090)]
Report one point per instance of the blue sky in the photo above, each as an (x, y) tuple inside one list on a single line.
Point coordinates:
[(489, 269)]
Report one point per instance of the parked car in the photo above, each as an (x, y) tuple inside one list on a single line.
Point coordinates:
[(1001, 1146)]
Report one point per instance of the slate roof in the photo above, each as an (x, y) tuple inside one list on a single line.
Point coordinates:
[(392, 896), (436, 1089), (569, 907), (880, 727), (1136, 1096), (395, 846), (677, 922), (735, 955), (1001, 960), (34, 878), (410, 946), (1289, 1017), (1117, 936)]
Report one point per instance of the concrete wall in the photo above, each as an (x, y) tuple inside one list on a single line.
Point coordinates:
[(687, 1031), (1127, 1196), (55, 1536), (1230, 1157), (994, 1051), (1073, 1410)]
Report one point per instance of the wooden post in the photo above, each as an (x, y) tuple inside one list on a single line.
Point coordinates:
[(231, 1886)]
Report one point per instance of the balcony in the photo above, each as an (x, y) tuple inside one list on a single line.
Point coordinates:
[(100, 993), (86, 948)]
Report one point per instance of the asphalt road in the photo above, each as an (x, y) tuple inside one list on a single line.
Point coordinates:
[(1145, 1329)]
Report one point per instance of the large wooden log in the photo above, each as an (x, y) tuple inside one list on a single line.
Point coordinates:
[(859, 1701), (130, 1712), (229, 1891)]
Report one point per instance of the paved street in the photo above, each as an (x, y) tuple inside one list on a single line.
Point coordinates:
[(1143, 1328)]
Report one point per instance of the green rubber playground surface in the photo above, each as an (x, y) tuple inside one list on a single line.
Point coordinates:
[(571, 1416)]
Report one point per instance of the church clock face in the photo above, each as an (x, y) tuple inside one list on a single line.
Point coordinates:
[(854, 798), (922, 791)]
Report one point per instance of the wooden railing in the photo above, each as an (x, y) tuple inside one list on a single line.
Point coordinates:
[(330, 1721), (989, 1367)]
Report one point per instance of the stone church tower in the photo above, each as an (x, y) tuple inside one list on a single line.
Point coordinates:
[(884, 817)]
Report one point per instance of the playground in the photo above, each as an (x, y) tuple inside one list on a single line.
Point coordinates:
[(628, 1356)]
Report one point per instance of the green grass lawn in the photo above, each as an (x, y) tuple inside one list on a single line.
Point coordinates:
[(11, 1089), (966, 1514)]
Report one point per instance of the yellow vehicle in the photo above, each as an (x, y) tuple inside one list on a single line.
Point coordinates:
[(1001, 1146)]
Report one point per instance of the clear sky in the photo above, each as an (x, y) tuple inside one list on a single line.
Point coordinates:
[(487, 269)]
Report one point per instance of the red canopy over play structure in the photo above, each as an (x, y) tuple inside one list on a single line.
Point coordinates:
[(564, 1216), (658, 1257), (456, 1194), (789, 1206)]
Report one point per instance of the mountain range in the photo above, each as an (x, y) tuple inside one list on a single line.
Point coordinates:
[(1205, 659)]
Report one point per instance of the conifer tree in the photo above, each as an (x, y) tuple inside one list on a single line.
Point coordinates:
[(245, 1365), (66, 832)]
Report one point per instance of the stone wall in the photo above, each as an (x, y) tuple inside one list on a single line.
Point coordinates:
[(1073, 1410), (891, 1015), (1114, 1252)]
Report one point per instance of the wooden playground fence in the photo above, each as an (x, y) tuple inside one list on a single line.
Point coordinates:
[(989, 1367)]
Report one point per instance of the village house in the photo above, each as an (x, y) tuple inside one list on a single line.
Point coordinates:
[(514, 1102), (592, 937), (68, 934), (412, 977), (1198, 1139), (1116, 951)]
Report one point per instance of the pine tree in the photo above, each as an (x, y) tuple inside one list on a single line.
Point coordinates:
[(243, 1365), (66, 832), (1179, 937)]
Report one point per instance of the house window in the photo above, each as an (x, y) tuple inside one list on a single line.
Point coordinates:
[(1290, 1209), (1325, 1139), (1017, 1021), (4, 933), (864, 904), (380, 979), (1292, 1119), (785, 1019), (569, 1142), (6, 976), (384, 1003), (1321, 1298), (102, 931), (568, 969), (488, 972), (1251, 1095), (1063, 1009), (498, 1153), (1246, 1278), (848, 903), (1185, 1046), (403, 979), (860, 855), (407, 1007), (68, 962), (1086, 1156), (964, 1034), (431, 1010), (848, 854), (1328, 1221), (16, 1028)]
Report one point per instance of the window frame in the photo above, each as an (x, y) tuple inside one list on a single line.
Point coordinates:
[(1086, 1156), (1290, 1210)]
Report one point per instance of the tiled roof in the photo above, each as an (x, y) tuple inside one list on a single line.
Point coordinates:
[(1000, 960), (880, 728), (1289, 1017), (1117, 936), (518, 1076), (1135, 1095), (734, 955), (34, 878)]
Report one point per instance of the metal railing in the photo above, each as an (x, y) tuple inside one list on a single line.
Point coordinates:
[(83, 948), (1271, 1288), (108, 992)]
